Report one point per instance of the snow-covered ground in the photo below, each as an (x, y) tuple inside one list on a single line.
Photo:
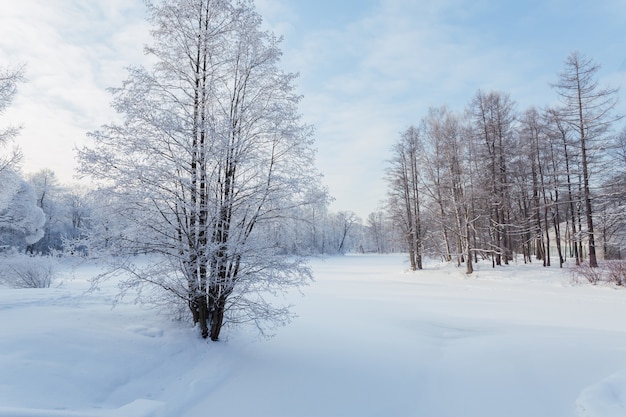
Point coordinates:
[(371, 340)]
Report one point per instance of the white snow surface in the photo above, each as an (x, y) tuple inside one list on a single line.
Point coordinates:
[(371, 339)]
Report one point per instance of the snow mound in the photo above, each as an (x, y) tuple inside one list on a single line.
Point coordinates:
[(137, 408), (607, 398)]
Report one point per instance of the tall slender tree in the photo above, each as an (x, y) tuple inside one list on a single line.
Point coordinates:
[(404, 180), (445, 162), (493, 118), (588, 110)]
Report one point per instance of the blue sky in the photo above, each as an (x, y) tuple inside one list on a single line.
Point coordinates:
[(368, 68)]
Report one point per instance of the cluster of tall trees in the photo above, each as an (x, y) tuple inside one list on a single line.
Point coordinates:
[(331, 233), (70, 212), (493, 182)]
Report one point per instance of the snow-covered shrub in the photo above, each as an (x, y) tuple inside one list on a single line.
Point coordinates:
[(592, 275), (616, 272), (610, 272), (23, 271)]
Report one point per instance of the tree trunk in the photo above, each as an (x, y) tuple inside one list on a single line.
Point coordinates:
[(556, 219), (200, 314), (593, 261), (217, 319)]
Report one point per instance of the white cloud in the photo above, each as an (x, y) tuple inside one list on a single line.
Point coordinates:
[(73, 51), (366, 74), (366, 80), (278, 16)]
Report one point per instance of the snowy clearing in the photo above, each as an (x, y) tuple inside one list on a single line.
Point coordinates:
[(371, 340)]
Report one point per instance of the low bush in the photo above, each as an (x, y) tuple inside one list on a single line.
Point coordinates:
[(592, 275), (611, 272), (23, 271), (616, 272)]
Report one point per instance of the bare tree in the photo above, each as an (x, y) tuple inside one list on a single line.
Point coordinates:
[(9, 79), (211, 154), (433, 164), (532, 169), (447, 181), (561, 138), (588, 110), (612, 205), (493, 118), (346, 222), (380, 230), (404, 191)]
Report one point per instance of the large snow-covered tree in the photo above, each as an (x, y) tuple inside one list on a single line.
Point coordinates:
[(209, 158)]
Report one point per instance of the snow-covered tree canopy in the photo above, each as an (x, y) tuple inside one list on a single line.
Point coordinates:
[(210, 157), (21, 220)]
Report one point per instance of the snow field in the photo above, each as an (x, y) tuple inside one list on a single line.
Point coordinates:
[(371, 340)]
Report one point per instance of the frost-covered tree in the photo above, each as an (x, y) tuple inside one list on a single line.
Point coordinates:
[(611, 207), (9, 78), (447, 181), (21, 220), (493, 121), (77, 210), (403, 177), (379, 233), (49, 197), (211, 152)]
